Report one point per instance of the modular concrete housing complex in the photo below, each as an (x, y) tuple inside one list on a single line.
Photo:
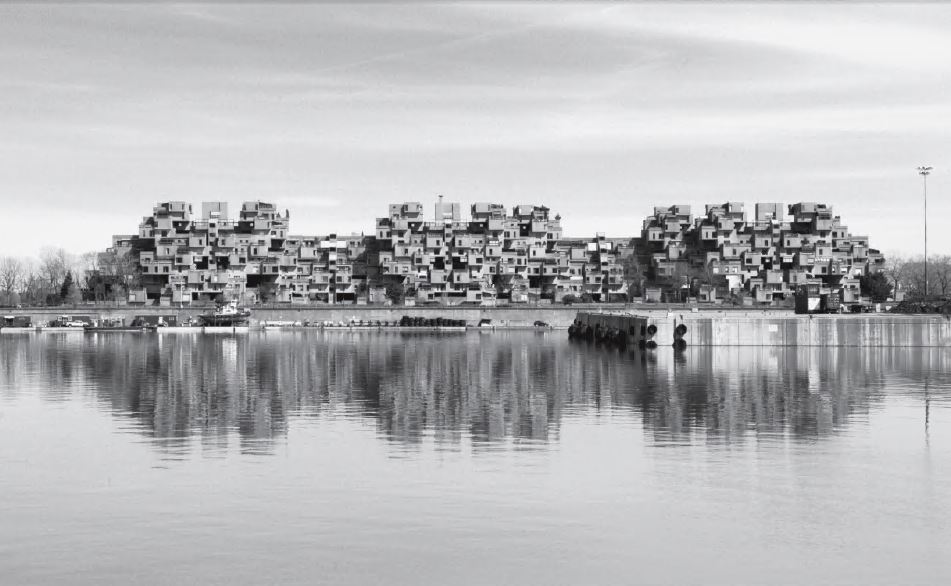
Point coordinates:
[(184, 258), (519, 257), (491, 257), (766, 259)]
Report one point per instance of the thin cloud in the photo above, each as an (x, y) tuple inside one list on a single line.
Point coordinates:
[(600, 111)]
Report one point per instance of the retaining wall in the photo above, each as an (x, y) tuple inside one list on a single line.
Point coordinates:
[(558, 316), (776, 329)]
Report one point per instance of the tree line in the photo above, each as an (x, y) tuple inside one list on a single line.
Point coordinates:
[(57, 277), (907, 275)]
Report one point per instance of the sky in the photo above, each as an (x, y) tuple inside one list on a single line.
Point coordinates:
[(598, 110)]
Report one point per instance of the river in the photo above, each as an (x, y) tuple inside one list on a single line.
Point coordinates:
[(302, 457)]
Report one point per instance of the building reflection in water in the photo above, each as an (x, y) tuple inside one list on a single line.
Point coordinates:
[(481, 388)]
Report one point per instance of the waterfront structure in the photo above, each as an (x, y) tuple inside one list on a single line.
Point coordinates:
[(496, 255), (183, 258), (520, 257), (766, 259), (657, 329)]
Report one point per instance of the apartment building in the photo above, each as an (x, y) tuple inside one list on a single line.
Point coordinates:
[(496, 255), (321, 269), (765, 259), (518, 257), (184, 258)]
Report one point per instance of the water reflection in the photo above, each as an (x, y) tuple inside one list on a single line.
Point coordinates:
[(482, 388)]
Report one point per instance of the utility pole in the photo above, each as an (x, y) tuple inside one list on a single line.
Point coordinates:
[(924, 172)]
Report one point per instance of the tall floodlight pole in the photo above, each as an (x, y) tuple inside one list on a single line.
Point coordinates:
[(924, 172)]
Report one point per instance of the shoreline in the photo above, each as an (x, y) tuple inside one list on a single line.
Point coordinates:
[(557, 316), (621, 324), (681, 330)]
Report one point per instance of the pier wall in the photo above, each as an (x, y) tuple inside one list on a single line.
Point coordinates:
[(776, 329), (558, 316), (704, 328)]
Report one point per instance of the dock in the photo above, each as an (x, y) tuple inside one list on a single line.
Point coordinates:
[(682, 329)]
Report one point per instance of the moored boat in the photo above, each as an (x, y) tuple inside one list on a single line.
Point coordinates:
[(16, 323), (117, 324), (227, 315), (119, 328)]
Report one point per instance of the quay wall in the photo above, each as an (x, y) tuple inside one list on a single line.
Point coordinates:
[(776, 329), (558, 316)]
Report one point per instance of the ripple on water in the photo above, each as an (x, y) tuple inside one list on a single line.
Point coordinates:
[(420, 459)]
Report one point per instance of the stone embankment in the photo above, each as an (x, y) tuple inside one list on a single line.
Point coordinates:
[(557, 316), (683, 329)]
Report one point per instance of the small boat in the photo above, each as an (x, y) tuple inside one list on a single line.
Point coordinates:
[(119, 328), (227, 315), (117, 324), (12, 324), (67, 321)]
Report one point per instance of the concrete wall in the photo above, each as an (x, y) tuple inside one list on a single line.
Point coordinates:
[(776, 329), (559, 316), (705, 328)]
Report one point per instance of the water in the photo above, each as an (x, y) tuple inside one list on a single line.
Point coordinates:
[(503, 458)]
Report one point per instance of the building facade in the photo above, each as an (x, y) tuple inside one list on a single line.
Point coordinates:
[(516, 257), (765, 260), (184, 258), (496, 255)]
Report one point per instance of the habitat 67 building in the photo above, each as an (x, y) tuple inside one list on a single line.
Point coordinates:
[(183, 258), (493, 256)]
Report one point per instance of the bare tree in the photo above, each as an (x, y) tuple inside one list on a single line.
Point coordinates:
[(895, 270), (11, 274), (86, 264), (908, 274), (913, 277), (54, 263), (119, 292), (121, 266), (32, 286), (939, 275)]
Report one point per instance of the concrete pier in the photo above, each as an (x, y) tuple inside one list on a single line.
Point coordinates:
[(558, 316), (683, 329)]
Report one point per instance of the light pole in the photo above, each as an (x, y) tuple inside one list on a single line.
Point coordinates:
[(924, 172)]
